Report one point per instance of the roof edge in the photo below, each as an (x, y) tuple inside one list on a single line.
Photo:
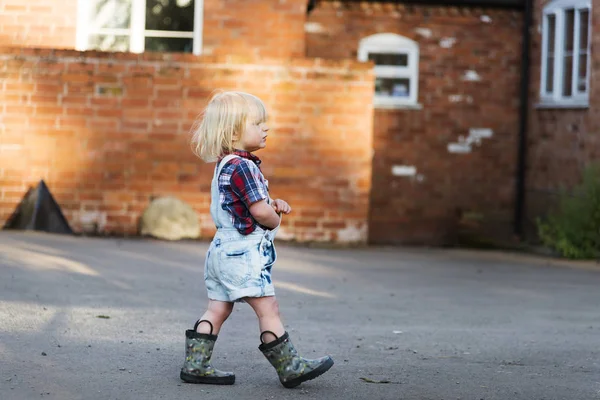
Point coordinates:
[(508, 4)]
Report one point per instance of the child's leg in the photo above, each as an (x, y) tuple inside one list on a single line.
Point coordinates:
[(216, 313), (267, 311), (199, 344), (279, 350)]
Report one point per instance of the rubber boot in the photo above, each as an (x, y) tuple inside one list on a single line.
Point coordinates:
[(198, 352), (291, 368)]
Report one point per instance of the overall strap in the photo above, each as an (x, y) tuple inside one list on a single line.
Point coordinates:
[(224, 161), (218, 214)]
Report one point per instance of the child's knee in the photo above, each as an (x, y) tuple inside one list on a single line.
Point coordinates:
[(270, 308), (221, 310)]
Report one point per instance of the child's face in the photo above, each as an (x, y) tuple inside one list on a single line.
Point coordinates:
[(254, 137)]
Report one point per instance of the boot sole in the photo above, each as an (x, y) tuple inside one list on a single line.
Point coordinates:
[(311, 375), (211, 380)]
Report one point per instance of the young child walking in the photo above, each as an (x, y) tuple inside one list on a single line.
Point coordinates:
[(241, 255)]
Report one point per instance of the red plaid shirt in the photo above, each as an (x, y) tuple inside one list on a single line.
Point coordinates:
[(242, 184)]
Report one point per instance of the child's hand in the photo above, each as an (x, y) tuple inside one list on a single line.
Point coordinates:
[(281, 206)]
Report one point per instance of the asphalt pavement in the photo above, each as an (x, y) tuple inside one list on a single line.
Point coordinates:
[(98, 318)]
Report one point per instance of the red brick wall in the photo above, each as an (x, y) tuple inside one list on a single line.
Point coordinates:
[(267, 28), (38, 23), (110, 132), (449, 189), (561, 142)]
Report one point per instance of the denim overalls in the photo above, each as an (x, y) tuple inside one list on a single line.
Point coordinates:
[(237, 265)]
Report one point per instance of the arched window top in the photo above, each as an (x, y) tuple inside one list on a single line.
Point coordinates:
[(555, 5), (388, 42)]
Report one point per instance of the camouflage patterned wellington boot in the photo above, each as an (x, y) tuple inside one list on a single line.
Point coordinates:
[(291, 368), (198, 351)]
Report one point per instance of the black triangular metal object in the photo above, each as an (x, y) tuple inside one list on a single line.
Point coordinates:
[(38, 211)]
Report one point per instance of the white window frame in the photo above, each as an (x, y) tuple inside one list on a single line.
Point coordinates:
[(395, 44), (137, 32), (578, 98)]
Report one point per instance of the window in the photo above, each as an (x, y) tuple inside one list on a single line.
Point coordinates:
[(566, 53), (140, 25), (396, 61)]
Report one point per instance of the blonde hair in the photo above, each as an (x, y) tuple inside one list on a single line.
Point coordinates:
[(225, 116)]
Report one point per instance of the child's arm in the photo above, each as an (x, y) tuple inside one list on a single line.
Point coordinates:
[(248, 184), (265, 214)]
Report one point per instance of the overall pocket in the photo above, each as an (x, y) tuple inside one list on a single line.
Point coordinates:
[(235, 265), (268, 254), (206, 264)]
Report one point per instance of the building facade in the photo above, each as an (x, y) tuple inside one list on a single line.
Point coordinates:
[(393, 122)]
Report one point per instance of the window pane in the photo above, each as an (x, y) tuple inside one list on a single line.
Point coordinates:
[(568, 56), (394, 87), (584, 23), (569, 30), (170, 15), (114, 14), (108, 43), (394, 59), (568, 76), (550, 75), (176, 45), (582, 77), (551, 40)]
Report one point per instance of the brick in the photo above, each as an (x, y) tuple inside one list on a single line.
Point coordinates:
[(78, 111), (78, 89), (169, 93), (198, 93), (111, 68), (139, 93), (142, 70), (109, 102), (138, 113), (109, 113), (166, 81), (19, 87), (19, 110), (137, 82), (334, 225), (14, 98), (48, 98), (132, 103), (48, 110), (134, 126), (14, 8), (77, 99), (72, 122), (76, 78), (105, 125)]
